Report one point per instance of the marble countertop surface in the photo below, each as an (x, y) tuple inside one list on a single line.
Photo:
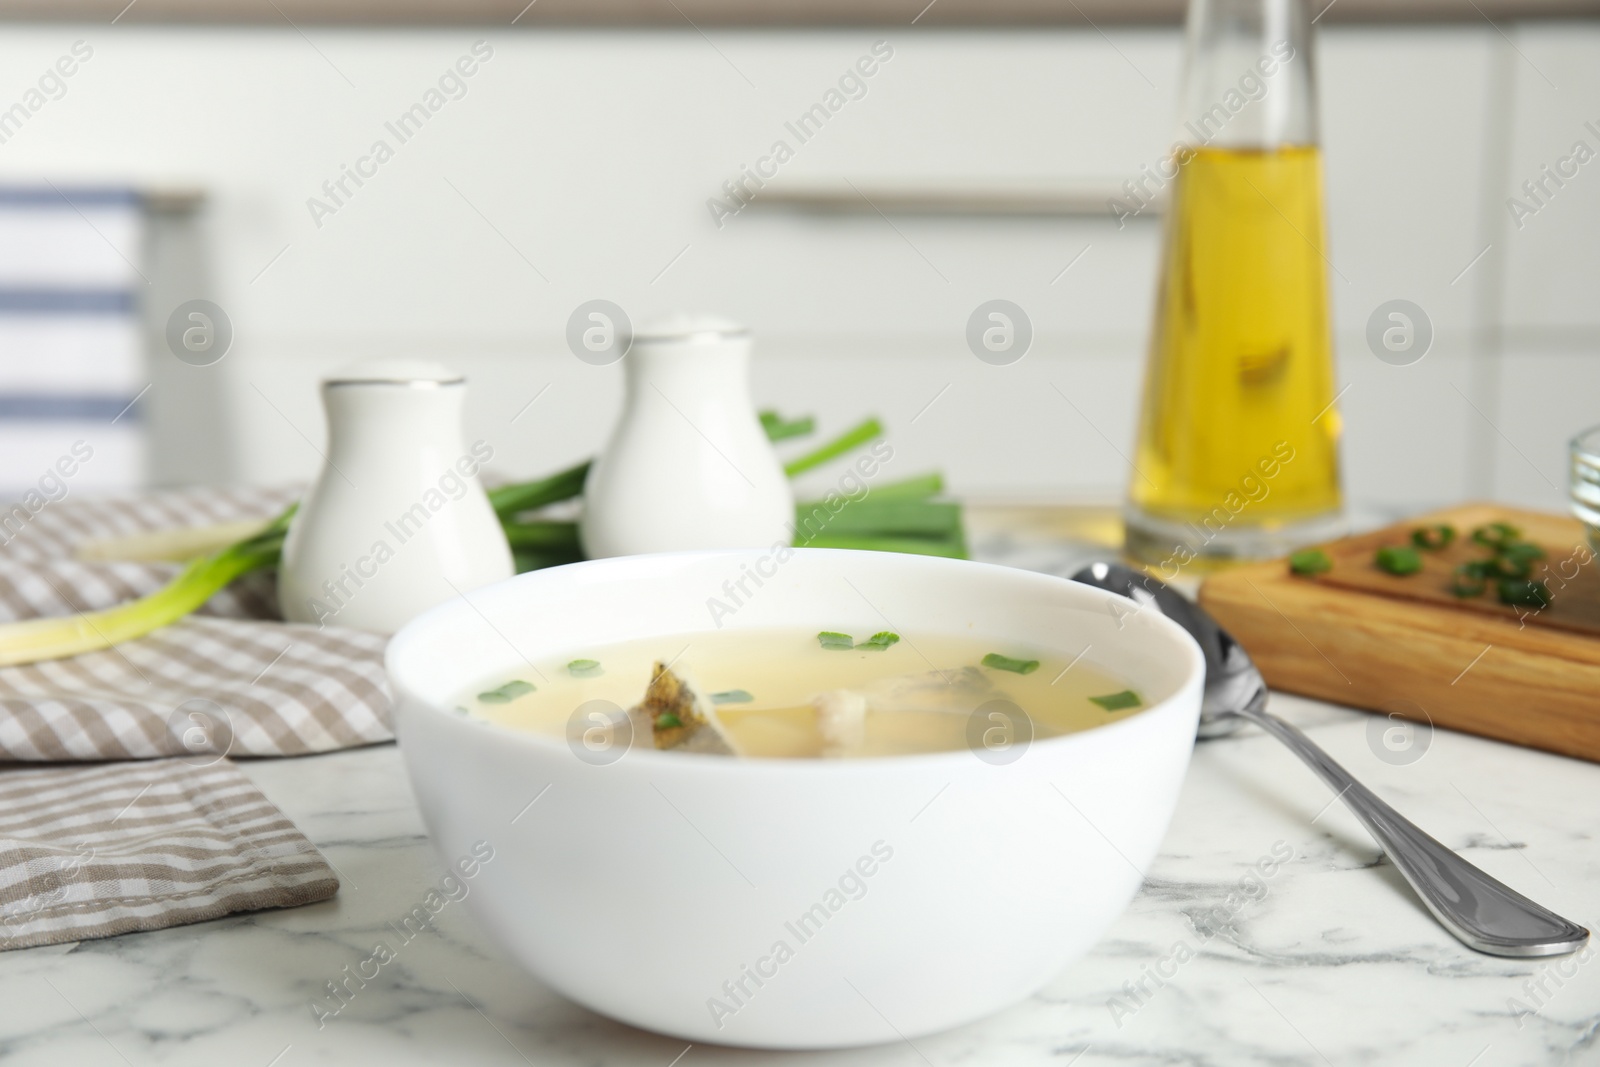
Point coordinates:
[(1328, 960)]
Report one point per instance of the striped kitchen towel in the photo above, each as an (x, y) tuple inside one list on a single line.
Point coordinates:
[(229, 680), (94, 851)]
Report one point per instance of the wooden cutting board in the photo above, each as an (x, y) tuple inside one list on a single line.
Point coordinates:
[(1408, 646)]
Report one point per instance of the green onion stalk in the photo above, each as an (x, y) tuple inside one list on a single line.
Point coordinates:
[(895, 517), (54, 638)]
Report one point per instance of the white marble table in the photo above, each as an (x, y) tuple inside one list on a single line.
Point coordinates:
[(1331, 960)]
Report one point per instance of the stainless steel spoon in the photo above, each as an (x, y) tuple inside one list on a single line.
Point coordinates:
[(1483, 912)]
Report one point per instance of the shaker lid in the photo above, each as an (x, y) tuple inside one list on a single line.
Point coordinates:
[(390, 371), (684, 327)]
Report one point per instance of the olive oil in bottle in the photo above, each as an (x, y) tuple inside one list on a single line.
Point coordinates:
[(1237, 455)]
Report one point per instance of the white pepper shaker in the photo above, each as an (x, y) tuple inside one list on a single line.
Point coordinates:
[(396, 521), (688, 465)]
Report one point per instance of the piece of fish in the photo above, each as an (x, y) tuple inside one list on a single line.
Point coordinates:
[(842, 713), (676, 715), (842, 721), (958, 690)]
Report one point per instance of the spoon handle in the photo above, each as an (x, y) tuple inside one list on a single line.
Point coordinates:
[(1484, 913)]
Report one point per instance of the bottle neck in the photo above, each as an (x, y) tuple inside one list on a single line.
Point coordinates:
[(1249, 75)]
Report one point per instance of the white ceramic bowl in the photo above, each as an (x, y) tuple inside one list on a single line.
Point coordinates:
[(794, 903)]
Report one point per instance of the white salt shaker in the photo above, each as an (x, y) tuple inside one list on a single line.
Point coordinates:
[(688, 466), (396, 521)]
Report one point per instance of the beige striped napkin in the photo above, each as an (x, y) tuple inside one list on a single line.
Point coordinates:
[(94, 851), (228, 680)]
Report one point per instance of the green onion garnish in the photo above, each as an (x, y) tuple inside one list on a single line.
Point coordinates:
[(1117, 701), (1496, 534), (732, 696), (836, 642), (1433, 538), (1006, 663), (507, 693), (880, 641), (667, 721), (1520, 592), (583, 668), (1398, 560), (1310, 561)]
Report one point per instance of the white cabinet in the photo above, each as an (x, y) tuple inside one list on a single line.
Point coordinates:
[(578, 164)]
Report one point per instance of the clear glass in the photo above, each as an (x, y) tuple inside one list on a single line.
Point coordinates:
[(1584, 482), (1238, 456)]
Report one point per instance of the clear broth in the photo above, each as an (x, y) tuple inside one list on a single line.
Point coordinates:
[(924, 692)]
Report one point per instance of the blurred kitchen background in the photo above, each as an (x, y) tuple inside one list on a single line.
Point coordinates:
[(177, 160)]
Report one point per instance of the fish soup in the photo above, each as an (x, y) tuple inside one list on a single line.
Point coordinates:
[(790, 693)]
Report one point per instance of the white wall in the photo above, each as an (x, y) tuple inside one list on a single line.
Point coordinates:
[(587, 157)]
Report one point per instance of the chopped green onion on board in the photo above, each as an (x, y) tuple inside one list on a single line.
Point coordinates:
[(1521, 592), (1495, 535), (1310, 561), (1397, 559), (1471, 579), (1433, 538)]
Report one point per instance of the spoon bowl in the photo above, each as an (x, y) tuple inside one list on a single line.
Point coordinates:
[(1232, 680)]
